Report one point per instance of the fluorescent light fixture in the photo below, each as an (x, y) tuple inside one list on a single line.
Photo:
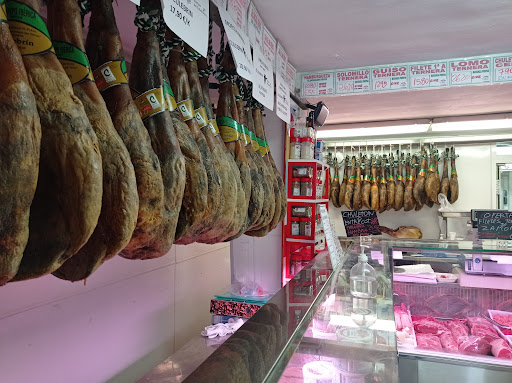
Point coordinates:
[(478, 123), (450, 139), (373, 132)]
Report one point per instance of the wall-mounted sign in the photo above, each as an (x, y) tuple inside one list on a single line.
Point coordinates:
[(281, 60), (470, 71), (502, 66), (353, 81), (361, 223), (263, 80), (255, 26), (428, 75), (391, 77), (237, 9), (189, 20), (269, 47), (290, 76), (317, 84), (282, 99)]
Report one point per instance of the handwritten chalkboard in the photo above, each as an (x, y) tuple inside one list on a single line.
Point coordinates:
[(361, 223), (492, 224)]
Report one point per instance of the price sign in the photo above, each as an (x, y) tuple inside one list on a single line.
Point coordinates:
[(237, 9), (428, 75), (263, 80), (255, 26), (492, 224), (353, 81), (333, 243), (282, 99), (317, 84), (281, 61), (392, 77), (290, 76), (502, 66), (269, 47), (471, 71), (240, 47), (361, 223), (189, 20)]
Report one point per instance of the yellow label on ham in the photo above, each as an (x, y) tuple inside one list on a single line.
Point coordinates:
[(151, 102), (169, 97), (228, 129), (110, 74), (74, 61), (201, 117), (254, 141), (3, 13), (27, 28), (245, 134), (213, 126), (186, 109)]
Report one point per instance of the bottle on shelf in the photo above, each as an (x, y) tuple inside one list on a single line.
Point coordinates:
[(363, 279)]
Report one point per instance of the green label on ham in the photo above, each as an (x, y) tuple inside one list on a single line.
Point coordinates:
[(228, 129), (74, 61)]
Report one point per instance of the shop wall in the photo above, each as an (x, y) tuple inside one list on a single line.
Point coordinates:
[(128, 317), (476, 168), (259, 259)]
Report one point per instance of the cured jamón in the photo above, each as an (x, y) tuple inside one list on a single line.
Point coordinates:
[(335, 187), (103, 45), (349, 193), (409, 201), (120, 202), (399, 185), (366, 184), (445, 181), (147, 79), (20, 139), (383, 190), (374, 190), (432, 182), (454, 180), (67, 202), (419, 185), (357, 201), (344, 183), (391, 183)]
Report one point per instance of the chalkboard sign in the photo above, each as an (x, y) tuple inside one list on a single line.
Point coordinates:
[(361, 223), (493, 224)]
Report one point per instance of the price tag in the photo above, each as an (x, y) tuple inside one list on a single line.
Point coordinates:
[(494, 224), (263, 80), (269, 47), (255, 26), (471, 71), (237, 9), (189, 20), (353, 81), (281, 61), (333, 243), (392, 77), (317, 84), (502, 66), (429, 75), (240, 46), (282, 99), (291, 72), (361, 223)]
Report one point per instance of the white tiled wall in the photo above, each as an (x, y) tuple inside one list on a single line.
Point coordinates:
[(128, 317)]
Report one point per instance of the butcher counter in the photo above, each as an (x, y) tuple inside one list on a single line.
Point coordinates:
[(314, 329)]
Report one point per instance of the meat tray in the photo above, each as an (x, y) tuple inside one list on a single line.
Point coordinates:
[(492, 313)]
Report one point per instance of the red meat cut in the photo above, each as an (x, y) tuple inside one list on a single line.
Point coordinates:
[(486, 332), (475, 345), (478, 320), (428, 325), (500, 349), (429, 342), (458, 329), (449, 342)]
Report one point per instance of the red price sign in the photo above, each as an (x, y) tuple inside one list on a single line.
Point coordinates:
[(381, 84), (346, 87), (459, 78), (422, 81)]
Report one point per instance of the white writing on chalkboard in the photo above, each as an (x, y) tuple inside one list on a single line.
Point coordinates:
[(494, 224)]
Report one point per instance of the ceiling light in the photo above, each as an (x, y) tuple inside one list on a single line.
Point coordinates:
[(373, 132), (478, 138), (457, 126)]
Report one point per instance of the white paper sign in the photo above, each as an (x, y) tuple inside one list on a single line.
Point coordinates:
[(281, 60), (189, 20), (317, 84), (333, 243), (220, 4), (255, 27), (263, 80), (269, 47), (429, 75), (391, 77), (282, 99), (240, 47), (290, 76), (237, 9), (502, 66), (471, 71), (353, 81)]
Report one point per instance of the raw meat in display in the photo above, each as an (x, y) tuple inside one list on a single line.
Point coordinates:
[(429, 342), (449, 343), (474, 345), (458, 329), (428, 325), (67, 201), (349, 193), (335, 187), (20, 140), (484, 331), (478, 320), (501, 349), (454, 181), (403, 232), (104, 45), (120, 202)]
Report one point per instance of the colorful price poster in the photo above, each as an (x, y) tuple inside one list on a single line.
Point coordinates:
[(269, 47), (240, 46), (255, 27), (189, 20), (291, 73), (282, 99), (392, 77), (429, 75), (281, 60), (263, 80), (238, 12), (470, 71), (353, 81), (502, 66), (317, 84)]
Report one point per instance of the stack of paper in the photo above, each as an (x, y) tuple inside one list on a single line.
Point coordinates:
[(422, 273)]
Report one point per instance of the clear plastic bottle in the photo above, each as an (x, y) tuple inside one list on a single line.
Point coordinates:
[(363, 279)]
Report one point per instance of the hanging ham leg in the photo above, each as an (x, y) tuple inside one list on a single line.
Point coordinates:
[(432, 183), (419, 186), (344, 182), (399, 185), (383, 191), (409, 201), (454, 181), (349, 194), (20, 140), (357, 199), (374, 190), (335, 186), (445, 181), (391, 183), (366, 184)]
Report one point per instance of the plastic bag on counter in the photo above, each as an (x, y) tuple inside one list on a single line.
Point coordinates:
[(246, 289), (446, 206)]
